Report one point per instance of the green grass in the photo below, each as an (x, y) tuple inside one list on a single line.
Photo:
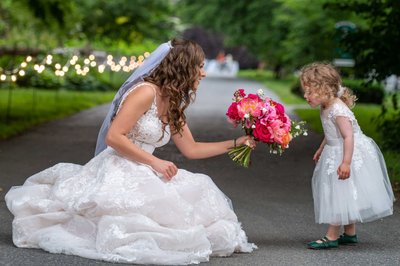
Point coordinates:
[(280, 87), (30, 107)]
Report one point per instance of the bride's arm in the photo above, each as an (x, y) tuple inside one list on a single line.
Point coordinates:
[(134, 106), (192, 149)]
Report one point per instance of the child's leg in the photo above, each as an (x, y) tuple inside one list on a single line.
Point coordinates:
[(350, 229), (349, 236), (333, 232), (328, 241)]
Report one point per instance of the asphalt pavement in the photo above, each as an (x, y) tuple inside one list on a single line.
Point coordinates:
[(272, 198)]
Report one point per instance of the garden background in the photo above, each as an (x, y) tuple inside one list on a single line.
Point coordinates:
[(58, 57)]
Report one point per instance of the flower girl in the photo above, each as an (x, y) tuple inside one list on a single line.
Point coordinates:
[(350, 183)]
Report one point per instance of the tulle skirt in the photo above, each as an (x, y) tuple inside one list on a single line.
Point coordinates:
[(116, 210), (366, 196)]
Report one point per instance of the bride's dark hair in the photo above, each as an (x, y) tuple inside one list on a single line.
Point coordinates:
[(176, 76)]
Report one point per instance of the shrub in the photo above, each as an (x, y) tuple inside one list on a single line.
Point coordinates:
[(389, 125), (85, 83), (44, 80), (366, 92), (71, 81), (389, 128)]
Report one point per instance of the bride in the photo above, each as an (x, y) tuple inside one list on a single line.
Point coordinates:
[(126, 205)]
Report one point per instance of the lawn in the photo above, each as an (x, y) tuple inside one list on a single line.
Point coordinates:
[(24, 108)]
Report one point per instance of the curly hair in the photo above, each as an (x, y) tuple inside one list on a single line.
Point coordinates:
[(324, 80), (176, 76)]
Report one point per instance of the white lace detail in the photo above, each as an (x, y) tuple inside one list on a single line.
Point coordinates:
[(357, 159), (149, 131), (330, 161), (339, 109), (333, 134), (359, 155)]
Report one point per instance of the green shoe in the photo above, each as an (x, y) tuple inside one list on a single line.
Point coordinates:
[(346, 239), (325, 243)]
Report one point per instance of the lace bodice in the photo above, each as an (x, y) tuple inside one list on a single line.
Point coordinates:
[(149, 132), (328, 118)]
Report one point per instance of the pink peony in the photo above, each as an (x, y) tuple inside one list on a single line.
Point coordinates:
[(249, 106), (287, 123), (269, 115), (278, 130)]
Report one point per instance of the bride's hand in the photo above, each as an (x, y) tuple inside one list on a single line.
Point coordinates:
[(317, 155), (246, 140), (166, 168)]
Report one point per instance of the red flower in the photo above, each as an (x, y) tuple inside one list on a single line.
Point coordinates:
[(254, 97), (261, 132), (232, 112), (241, 93), (280, 110)]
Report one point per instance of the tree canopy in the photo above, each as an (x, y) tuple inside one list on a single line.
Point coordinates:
[(100, 23), (376, 41), (282, 33), (295, 32)]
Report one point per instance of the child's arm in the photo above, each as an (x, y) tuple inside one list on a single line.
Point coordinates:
[(346, 129), (319, 151)]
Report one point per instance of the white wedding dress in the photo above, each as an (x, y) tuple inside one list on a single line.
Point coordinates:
[(117, 210)]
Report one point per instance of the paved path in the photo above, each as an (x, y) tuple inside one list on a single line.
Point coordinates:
[(272, 199)]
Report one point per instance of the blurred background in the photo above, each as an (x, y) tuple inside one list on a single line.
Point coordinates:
[(58, 57)]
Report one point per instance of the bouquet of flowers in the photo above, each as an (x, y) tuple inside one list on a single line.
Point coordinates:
[(265, 120)]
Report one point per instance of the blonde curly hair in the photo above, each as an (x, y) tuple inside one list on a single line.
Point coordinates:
[(324, 79), (176, 76)]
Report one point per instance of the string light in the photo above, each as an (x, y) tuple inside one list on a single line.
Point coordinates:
[(91, 62)]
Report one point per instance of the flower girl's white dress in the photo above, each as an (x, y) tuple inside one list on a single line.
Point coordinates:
[(367, 195), (115, 209)]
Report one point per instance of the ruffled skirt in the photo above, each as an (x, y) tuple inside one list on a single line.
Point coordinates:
[(116, 210), (366, 196)]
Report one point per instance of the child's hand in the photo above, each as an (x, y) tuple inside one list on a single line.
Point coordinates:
[(317, 155), (343, 171)]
